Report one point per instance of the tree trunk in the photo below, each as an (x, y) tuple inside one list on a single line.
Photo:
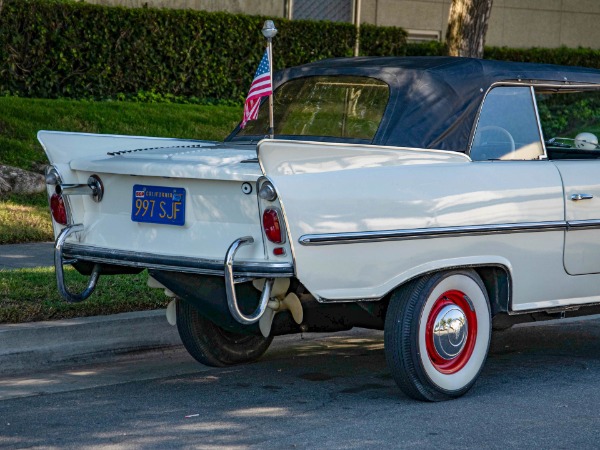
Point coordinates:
[(467, 26)]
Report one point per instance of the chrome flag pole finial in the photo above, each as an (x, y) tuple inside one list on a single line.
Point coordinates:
[(268, 30)]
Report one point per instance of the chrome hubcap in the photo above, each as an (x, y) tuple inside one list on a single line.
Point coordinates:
[(450, 331)]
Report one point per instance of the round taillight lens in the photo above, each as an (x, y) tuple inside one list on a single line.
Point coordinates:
[(59, 211), (272, 226)]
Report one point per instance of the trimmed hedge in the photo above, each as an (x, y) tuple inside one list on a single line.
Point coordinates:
[(51, 49), (59, 48), (585, 57)]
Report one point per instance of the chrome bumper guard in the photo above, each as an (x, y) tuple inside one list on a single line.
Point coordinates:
[(59, 262), (70, 253), (230, 286)]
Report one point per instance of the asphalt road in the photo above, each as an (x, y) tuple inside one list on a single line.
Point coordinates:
[(539, 389), (18, 256)]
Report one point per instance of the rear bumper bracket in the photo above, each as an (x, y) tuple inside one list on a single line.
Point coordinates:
[(59, 263), (232, 302)]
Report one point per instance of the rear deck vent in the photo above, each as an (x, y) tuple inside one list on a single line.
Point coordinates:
[(124, 152)]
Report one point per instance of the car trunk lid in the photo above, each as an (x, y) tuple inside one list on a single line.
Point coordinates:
[(219, 182)]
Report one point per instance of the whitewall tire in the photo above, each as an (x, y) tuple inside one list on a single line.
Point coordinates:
[(437, 334)]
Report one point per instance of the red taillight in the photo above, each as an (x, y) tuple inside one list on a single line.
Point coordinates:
[(57, 206), (272, 227)]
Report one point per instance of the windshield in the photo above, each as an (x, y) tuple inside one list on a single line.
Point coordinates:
[(346, 107)]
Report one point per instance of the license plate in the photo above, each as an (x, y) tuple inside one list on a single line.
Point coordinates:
[(158, 204)]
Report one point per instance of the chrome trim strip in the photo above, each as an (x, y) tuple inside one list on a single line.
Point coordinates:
[(430, 233), (558, 85), (176, 263), (583, 224), (538, 122), (565, 85)]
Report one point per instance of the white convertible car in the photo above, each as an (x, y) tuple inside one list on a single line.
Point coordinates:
[(434, 198)]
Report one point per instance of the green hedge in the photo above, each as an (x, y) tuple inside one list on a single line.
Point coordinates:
[(584, 57), (53, 49)]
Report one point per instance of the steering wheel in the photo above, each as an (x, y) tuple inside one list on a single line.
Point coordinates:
[(502, 131), (507, 139)]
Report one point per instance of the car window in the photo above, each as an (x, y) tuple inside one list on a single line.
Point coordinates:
[(570, 122), (507, 128), (341, 106)]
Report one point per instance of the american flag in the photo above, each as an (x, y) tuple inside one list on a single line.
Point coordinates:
[(261, 87)]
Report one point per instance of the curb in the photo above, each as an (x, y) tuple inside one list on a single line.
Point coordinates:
[(37, 345)]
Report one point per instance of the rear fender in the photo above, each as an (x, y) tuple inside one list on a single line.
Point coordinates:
[(331, 190)]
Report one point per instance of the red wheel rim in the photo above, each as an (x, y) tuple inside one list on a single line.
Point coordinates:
[(451, 300)]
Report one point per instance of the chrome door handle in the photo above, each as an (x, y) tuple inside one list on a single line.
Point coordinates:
[(577, 197)]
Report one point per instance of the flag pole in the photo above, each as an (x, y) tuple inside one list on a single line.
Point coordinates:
[(269, 31)]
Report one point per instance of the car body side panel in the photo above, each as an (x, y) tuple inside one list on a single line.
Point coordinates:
[(333, 189)]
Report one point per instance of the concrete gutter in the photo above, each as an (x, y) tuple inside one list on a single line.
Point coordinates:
[(34, 346)]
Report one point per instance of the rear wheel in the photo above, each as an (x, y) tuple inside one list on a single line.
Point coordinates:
[(437, 334), (214, 346)]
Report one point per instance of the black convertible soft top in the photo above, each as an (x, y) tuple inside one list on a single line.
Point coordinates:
[(434, 100)]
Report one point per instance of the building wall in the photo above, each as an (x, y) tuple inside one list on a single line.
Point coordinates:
[(513, 23), (548, 23), (272, 8)]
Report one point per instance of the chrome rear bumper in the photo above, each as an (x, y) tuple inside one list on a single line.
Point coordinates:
[(99, 255), (233, 272)]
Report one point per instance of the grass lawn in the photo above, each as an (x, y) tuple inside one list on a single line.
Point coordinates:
[(26, 219), (29, 295), (22, 118)]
